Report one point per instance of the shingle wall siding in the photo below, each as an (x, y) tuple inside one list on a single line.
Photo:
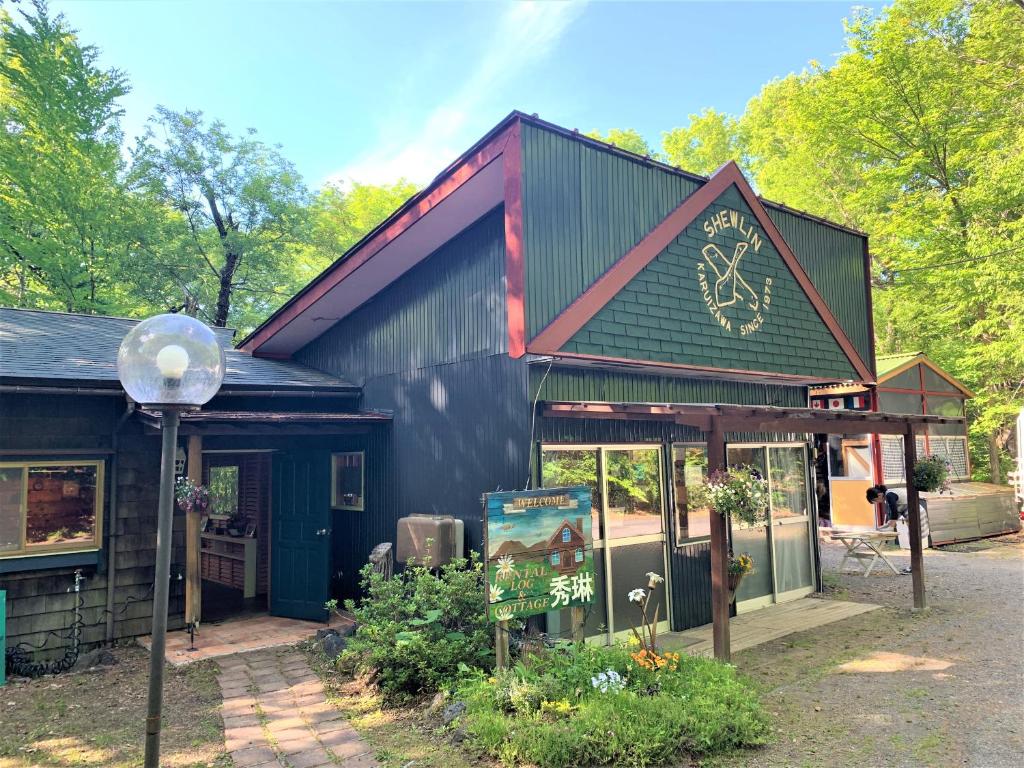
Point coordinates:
[(662, 314), (584, 208), (38, 601)]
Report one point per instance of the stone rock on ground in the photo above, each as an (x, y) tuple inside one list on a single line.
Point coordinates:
[(100, 657), (452, 712), (332, 645)]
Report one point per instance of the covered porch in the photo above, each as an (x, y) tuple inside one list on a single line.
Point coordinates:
[(715, 420), (290, 496)]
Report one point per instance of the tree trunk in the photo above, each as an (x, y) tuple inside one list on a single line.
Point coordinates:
[(995, 471), (227, 275)]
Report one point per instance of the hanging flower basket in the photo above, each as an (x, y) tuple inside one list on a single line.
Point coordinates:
[(738, 568), (738, 492)]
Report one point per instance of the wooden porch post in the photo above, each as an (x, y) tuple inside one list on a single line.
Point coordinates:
[(719, 551), (914, 519), (193, 573)]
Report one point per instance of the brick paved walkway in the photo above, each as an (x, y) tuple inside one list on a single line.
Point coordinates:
[(276, 715)]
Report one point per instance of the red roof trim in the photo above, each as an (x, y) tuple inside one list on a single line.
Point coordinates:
[(405, 217), (560, 330), (515, 277)]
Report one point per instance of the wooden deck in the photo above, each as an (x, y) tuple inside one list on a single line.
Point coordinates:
[(761, 626)]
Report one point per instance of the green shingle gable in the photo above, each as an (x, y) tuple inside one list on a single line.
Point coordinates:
[(662, 314)]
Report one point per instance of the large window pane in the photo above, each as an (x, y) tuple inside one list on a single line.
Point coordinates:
[(633, 478), (62, 506), (945, 406), (899, 402), (11, 489), (788, 482), (563, 468), (224, 490), (690, 470)]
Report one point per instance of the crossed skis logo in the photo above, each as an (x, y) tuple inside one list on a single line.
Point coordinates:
[(726, 292)]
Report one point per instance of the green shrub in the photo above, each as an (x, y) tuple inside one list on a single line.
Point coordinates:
[(417, 630), (548, 712), (930, 473)]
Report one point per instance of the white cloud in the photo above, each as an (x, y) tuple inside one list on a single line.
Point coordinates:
[(524, 34)]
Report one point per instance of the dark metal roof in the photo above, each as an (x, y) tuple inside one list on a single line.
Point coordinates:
[(46, 346)]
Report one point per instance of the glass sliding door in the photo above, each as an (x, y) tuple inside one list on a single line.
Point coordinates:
[(634, 532), (783, 565), (791, 521), (629, 529), (757, 588)]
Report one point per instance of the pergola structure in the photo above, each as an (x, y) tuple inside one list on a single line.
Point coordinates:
[(716, 420)]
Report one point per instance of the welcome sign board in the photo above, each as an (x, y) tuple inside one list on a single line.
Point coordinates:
[(540, 551)]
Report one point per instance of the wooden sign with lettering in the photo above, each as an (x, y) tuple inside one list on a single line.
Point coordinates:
[(540, 551)]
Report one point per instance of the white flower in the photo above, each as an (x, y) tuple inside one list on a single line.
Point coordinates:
[(495, 593), (653, 579), (503, 613), (506, 566), (637, 596)]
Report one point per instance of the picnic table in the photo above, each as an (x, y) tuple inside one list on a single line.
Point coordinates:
[(862, 546)]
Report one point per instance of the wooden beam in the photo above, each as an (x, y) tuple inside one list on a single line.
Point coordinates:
[(719, 552), (914, 520), (193, 567)]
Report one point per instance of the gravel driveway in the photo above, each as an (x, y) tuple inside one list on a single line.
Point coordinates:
[(898, 688)]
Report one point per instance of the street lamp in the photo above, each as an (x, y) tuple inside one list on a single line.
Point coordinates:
[(171, 363)]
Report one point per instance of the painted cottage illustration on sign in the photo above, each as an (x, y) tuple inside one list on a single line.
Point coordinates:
[(566, 547)]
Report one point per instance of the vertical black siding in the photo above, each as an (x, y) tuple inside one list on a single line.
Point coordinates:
[(450, 307), (691, 585), (459, 430), (432, 348)]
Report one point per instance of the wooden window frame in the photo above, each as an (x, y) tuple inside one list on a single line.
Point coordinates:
[(361, 507), (66, 548)]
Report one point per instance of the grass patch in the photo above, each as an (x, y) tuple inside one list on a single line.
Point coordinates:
[(98, 718)]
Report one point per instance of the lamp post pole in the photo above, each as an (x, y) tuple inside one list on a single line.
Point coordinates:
[(169, 363), (162, 584)]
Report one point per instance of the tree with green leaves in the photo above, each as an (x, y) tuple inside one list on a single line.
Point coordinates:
[(628, 139), (236, 213), (705, 144), (66, 225)]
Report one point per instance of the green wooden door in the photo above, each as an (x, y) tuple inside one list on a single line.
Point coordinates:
[(300, 549)]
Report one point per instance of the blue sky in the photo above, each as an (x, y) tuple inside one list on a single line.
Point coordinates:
[(374, 91)]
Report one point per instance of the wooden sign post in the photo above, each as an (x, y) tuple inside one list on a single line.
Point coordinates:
[(540, 557)]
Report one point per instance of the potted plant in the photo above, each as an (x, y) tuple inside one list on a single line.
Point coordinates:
[(930, 474), (738, 568)]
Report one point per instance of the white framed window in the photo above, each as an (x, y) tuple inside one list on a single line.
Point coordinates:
[(50, 506), (348, 480)]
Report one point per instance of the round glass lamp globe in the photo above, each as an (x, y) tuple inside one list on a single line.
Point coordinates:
[(171, 360)]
